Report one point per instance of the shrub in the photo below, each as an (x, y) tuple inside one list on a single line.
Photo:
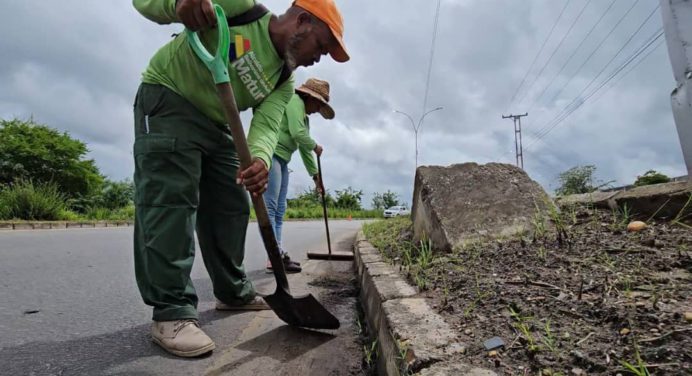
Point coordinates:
[(25, 200), (651, 177)]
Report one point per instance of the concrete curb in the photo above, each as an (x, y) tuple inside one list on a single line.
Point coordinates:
[(412, 338), (665, 200), (48, 225)]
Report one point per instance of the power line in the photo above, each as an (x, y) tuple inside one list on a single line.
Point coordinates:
[(582, 101), (569, 109), (628, 61), (538, 53), (622, 76), (555, 50), (432, 54), (576, 99), (573, 53), (594, 51)]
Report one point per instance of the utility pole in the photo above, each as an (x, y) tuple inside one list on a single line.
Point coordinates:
[(677, 24), (517, 137)]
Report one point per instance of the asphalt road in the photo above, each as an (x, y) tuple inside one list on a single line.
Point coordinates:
[(69, 305)]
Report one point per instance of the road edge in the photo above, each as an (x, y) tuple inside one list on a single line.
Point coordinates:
[(411, 337)]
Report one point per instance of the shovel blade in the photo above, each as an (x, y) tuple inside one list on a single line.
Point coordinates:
[(303, 311)]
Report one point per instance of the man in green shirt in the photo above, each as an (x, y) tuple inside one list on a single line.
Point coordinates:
[(311, 97), (186, 168)]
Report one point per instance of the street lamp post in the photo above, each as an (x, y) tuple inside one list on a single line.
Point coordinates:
[(416, 128)]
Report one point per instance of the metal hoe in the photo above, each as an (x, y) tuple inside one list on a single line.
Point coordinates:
[(304, 311)]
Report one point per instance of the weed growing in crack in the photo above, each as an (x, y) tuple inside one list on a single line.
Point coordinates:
[(359, 326), (402, 348), (370, 353)]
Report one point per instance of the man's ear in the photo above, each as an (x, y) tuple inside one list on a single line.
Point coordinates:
[(304, 18)]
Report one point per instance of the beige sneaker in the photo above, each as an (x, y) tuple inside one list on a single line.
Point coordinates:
[(256, 304), (182, 337)]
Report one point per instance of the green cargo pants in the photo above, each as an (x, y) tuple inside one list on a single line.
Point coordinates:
[(185, 169)]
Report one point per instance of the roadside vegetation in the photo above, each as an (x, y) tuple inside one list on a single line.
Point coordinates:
[(577, 293), (45, 175)]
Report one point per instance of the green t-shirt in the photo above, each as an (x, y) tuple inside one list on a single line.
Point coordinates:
[(295, 135), (254, 68)]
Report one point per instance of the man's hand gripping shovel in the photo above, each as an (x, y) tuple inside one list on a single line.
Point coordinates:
[(304, 311)]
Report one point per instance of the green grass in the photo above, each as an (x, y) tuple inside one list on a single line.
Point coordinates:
[(104, 214), (385, 236), (638, 368), (416, 259), (370, 353), (28, 201), (523, 325), (315, 212)]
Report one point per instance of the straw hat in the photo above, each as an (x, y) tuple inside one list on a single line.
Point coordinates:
[(319, 90)]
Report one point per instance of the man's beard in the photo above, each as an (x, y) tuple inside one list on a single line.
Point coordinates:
[(292, 48)]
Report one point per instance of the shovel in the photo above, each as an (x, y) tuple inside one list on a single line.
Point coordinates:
[(342, 256), (304, 311)]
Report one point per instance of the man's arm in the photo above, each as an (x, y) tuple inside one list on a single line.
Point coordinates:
[(308, 160), (266, 121), (299, 132), (194, 14), (159, 11)]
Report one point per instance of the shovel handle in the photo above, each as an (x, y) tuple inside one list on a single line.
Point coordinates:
[(218, 66), (218, 63), (324, 205)]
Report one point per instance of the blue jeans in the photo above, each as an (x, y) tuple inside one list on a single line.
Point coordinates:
[(275, 196)]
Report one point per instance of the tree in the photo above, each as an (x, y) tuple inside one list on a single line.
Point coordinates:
[(348, 198), (37, 153), (385, 200), (576, 180), (651, 177), (116, 194), (310, 198)]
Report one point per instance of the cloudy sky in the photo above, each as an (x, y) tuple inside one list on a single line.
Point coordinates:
[(75, 66)]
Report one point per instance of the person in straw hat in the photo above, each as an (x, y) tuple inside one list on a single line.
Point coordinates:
[(294, 134)]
